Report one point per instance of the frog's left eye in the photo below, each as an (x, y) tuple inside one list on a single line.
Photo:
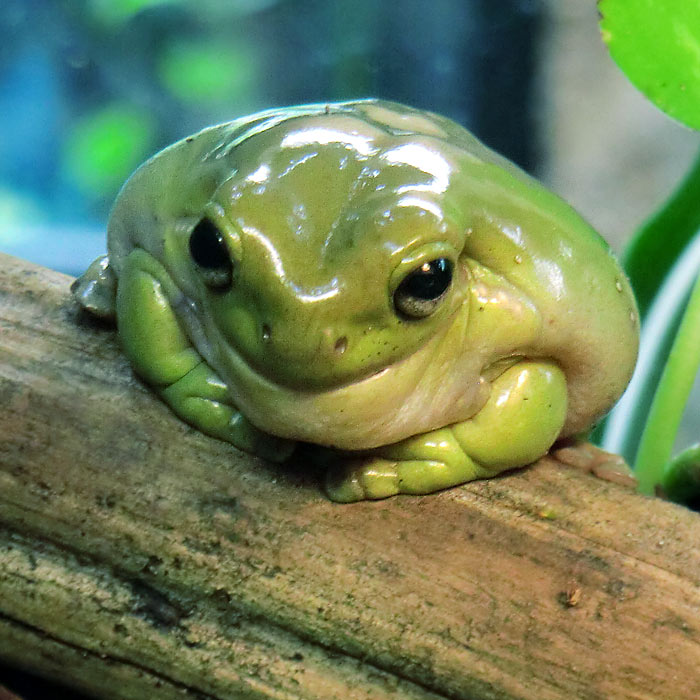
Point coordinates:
[(210, 254), (422, 290)]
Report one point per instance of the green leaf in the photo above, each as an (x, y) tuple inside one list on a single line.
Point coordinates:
[(670, 398), (103, 148), (681, 480), (657, 44), (657, 245)]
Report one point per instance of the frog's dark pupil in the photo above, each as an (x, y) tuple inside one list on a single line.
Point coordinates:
[(207, 246), (429, 281)]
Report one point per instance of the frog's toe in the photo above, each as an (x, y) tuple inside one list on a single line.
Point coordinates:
[(360, 481), (587, 457), (343, 487), (96, 289)]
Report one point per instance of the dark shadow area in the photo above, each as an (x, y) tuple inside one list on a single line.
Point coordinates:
[(29, 687)]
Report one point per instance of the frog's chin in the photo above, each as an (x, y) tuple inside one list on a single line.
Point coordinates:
[(434, 386)]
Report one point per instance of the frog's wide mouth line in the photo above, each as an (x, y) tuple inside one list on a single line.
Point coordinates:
[(236, 360), (433, 340), (369, 411)]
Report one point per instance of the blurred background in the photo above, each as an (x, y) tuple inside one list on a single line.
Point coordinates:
[(90, 88)]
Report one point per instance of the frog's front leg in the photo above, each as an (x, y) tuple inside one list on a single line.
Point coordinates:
[(518, 424), (162, 354)]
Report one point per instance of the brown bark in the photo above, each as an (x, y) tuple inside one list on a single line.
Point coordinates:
[(141, 559)]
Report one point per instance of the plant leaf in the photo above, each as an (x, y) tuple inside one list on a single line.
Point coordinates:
[(660, 241), (657, 45)]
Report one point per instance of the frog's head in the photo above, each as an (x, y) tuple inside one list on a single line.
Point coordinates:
[(328, 256)]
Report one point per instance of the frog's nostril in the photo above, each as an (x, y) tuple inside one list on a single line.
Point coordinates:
[(341, 345), (266, 332)]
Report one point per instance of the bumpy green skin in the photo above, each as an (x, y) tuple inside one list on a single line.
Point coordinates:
[(324, 209)]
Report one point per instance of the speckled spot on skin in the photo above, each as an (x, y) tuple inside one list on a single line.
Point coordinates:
[(341, 345), (518, 259)]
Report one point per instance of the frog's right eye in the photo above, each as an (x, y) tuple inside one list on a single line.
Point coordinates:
[(210, 254)]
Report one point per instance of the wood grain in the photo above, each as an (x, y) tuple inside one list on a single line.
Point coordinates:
[(141, 559)]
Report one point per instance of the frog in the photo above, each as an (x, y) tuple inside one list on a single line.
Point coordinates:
[(368, 278)]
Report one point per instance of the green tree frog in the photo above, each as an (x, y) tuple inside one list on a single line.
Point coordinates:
[(370, 278)]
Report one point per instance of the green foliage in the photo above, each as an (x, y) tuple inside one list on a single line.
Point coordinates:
[(206, 71), (657, 45), (104, 147), (659, 243), (681, 481), (670, 398)]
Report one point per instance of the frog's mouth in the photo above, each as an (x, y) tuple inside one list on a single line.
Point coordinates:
[(429, 388)]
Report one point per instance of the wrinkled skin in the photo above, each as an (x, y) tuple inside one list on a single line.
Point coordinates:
[(259, 272)]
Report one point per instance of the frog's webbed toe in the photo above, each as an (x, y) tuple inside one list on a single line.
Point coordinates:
[(361, 480), (587, 457), (96, 289)]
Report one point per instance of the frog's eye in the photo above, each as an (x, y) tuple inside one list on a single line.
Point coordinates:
[(210, 254), (422, 290)]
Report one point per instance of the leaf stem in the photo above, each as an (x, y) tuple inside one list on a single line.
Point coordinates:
[(670, 398), (660, 241)]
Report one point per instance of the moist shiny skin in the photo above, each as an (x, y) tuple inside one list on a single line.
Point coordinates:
[(322, 212)]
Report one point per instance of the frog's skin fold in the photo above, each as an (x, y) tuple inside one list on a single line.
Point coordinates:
[(322, 213)]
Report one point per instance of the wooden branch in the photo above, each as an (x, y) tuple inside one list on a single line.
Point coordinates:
[(141, 559)]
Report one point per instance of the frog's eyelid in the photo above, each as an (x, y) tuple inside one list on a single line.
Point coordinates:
[(230, 232)]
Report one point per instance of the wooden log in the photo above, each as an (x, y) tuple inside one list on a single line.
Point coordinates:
[(141, 559)]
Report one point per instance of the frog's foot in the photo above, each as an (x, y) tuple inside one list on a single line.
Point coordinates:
[(201, 399), (162, 354), (361, 480), (517, 425), (376, 477), (96, 289), (605, 465)]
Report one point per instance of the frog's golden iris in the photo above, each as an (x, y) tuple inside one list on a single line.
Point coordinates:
[(368, 277)]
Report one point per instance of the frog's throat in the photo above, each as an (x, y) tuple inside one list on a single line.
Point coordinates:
[(432, 387)]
